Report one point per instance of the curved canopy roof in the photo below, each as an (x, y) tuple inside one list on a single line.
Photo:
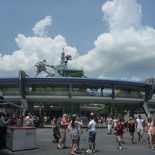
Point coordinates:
[(80, 82)]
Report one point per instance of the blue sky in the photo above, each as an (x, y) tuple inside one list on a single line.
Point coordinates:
[(95, 32), (79, 21)]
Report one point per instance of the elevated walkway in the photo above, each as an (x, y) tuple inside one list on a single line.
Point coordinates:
[(76, 90)]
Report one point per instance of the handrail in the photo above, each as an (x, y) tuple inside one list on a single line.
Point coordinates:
[(73, 93)]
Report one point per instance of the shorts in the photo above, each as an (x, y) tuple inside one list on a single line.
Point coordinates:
[(109, 126), (118, 138), (92, 136), (140, 130), (150, 133)]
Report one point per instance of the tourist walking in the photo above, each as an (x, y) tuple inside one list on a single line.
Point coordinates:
[(140, 127), (131, 125), (150, 129), (63, 127), (92, 135), (118, 132), (80, 132), (122, 120), (114, 122), (74, 133), (45, 120), (109, 124)]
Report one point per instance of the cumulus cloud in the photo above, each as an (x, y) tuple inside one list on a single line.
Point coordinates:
[(34, 49), (119, 16), (125, 52), (40, 27)]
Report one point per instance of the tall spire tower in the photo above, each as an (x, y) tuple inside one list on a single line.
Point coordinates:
[(63, 56)]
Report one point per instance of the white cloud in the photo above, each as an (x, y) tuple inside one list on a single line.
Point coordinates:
[(34, 49), (125, 52), (119, 16), (40, 27)]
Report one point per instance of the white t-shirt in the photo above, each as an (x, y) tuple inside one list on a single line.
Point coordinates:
[(92, 123), (114, 122), (27, 120), (109, 121), (139, 123)]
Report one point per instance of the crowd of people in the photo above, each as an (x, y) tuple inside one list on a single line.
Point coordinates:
[(132, 125), (74, 125), (115, 125), (7, 120)]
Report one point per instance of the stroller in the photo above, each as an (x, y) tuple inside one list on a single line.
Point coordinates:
[(56, 135)]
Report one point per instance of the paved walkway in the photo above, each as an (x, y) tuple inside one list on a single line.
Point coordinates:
[(105, 145)]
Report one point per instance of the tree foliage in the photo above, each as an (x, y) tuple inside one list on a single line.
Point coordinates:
[(76, 74), (112, 109)]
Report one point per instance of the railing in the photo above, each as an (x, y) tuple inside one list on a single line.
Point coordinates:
[(57, 93), (75, 67), (73, 93), (130, 95), (11, 93)]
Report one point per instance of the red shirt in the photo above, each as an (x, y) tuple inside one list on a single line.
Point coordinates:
[(119, 130), (64, 123)]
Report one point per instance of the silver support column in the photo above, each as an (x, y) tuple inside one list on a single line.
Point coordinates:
[(24, 104), (146, 108)]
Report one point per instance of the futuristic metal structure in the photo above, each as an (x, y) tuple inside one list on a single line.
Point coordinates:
[(41, 67), (61, 70), (72, 91)]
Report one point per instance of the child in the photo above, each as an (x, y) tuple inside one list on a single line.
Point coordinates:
[(118, 132)]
